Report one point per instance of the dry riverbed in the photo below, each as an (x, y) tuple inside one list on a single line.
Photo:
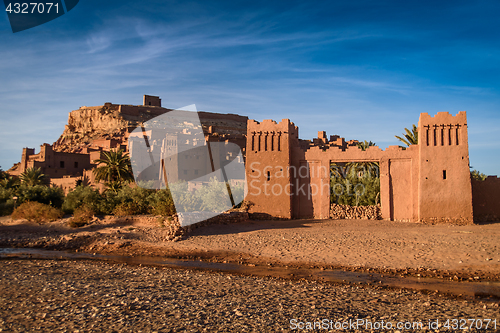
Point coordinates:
[(444, 251), (83, 296), (93, 296)]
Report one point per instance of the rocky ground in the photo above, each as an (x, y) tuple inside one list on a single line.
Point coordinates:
[(82, 296), (91, 296)]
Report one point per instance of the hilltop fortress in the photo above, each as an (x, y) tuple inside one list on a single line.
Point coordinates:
[(96, 129), (288, 177)]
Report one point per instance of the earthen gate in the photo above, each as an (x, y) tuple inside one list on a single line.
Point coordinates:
[(427, 182)]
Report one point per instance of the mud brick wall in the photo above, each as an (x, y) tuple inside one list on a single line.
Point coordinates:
[(486, 199)]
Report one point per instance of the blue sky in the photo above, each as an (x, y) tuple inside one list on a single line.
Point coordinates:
[(364, 70)]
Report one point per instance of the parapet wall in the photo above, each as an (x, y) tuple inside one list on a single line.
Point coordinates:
[(269, 136), (443, 129)]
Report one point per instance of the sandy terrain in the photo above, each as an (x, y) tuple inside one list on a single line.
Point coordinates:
[(455, 252)]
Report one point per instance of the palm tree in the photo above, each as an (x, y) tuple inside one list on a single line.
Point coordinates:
[(9, 182), (478, 175), (336, 170), (363, 168), (365, 144), (32, 176), (116, 169), (411, 137)]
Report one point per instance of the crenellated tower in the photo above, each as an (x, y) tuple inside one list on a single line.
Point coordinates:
[(444, 189), (268, 158)]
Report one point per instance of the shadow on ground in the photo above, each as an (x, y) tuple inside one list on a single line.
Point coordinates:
[(250, 226)]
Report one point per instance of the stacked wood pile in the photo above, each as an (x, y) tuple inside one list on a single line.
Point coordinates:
[(341, 212)]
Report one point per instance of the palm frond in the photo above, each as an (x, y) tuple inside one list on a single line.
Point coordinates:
[(411, 137), (32, 176), (115, 167), (402, 140)]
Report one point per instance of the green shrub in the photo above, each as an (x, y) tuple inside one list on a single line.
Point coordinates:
[(37, 212), (82, 195), (108, 203), (53, 196), (214, 196), (355, 188), (162, 203), (6, 201), (186, 201), (6, 194), (7, 207), (478, 175), (10, 182), (211, 197), (238, 193), (135, 200), (127, 201), (82, 215)]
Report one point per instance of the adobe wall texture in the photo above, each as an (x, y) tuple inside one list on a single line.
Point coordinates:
[(444, 181), (268, 160), (54, 164), (486, 199), (429, 182)]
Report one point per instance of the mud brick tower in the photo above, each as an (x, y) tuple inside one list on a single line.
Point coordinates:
[(268, 160), (444, 189)]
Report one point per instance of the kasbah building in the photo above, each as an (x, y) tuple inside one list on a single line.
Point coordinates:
[(288, 177)]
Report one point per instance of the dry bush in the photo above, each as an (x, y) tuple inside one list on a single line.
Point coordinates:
[(126, 209), (81, 216), (36, 212), (162, 203)]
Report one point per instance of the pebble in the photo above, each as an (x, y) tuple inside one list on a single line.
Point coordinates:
[(88, 296)]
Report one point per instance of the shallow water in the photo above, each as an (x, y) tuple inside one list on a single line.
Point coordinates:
[(490, 290)]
